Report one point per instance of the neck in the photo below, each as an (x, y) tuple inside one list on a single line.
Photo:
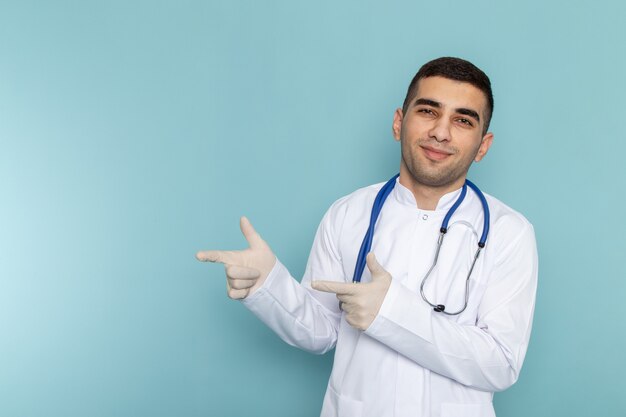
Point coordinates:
[(427, 197)]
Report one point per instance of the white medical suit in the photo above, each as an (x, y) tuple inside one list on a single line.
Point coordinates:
[(413, 361)]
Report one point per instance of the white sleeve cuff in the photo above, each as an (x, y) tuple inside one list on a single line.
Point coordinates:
[(275, 275), (404, 309)]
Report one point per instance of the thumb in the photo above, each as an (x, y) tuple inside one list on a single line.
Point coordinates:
[(375, 268), (254, 239)]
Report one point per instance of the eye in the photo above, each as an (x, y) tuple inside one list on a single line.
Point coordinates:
[(465, 121), (425, 111)]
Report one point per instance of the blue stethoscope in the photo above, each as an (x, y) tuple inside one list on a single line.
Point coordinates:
[(369, 235)]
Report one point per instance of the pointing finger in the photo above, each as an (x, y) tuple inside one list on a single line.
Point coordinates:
[(339, 288), (251, 235), (223, 257)]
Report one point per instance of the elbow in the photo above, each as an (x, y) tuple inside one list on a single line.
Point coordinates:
[(501, 376), (314, 340), (499, 380), (316, 347), (320, 350), (504, 384), (321, 345), (488, 377)]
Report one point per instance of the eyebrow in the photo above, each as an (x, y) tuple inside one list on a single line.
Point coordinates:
[(469, 112), (428, 102), (436, 104)]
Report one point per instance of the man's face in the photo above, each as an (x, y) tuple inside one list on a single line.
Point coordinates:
[(441, 132)]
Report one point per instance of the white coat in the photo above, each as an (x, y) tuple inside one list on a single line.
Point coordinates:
[(412, 361)]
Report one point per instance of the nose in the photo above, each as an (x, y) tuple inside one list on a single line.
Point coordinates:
[(440, 130)]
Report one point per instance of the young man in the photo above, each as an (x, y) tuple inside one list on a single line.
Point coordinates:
[(395, 354)]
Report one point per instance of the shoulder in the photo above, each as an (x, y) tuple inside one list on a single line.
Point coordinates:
[(505, 219), (357, 204), (358, 198), (511, 234)]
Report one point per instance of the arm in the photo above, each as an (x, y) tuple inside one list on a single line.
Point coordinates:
[(293, 313), (486, 356), (300, 316)]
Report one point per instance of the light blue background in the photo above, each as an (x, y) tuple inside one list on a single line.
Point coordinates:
[(133, 134)]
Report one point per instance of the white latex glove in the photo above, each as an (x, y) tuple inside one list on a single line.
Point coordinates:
[(360, 302), (246, 270)]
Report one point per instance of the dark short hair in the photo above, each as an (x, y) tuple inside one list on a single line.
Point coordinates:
[(454, 69)]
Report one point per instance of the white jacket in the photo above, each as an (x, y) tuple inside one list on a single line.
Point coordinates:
[(412, 361)]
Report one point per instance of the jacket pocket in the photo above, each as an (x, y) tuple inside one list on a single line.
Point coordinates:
[(467, 410), (344, 406)]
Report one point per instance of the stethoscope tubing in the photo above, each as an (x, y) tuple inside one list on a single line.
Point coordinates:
[(377, 206)]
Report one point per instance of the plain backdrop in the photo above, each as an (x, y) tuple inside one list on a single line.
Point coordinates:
[(134, 133)]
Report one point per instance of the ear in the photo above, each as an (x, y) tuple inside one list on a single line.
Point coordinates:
[(396, 127), (485, 144)]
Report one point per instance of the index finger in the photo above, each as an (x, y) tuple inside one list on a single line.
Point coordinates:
[(339, 288), (221, 256)]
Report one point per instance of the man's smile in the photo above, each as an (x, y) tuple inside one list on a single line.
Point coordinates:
[(435, 154)]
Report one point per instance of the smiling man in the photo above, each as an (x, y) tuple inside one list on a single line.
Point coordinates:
[(428, 328)]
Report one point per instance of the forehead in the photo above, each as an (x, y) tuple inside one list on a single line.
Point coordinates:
[(451, 93)]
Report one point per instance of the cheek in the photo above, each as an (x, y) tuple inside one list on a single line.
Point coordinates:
[(407, 148), (413, 126), (471, 142)]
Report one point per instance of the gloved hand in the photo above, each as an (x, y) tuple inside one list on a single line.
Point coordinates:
[(246, 270), (360, 302)]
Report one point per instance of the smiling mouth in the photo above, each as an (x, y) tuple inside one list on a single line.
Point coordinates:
[(435, 154)]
